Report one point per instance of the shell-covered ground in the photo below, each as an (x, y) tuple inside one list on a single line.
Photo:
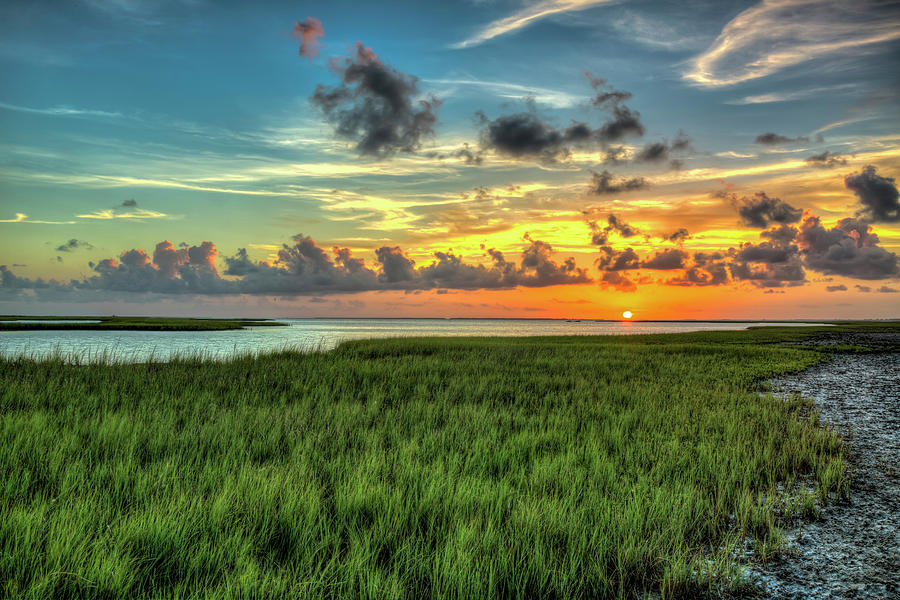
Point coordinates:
[(853, 550)]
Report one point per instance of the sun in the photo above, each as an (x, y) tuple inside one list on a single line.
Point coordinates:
[(627, 314)]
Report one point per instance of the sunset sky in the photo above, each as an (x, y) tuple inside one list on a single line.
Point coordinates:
[(454, 158)]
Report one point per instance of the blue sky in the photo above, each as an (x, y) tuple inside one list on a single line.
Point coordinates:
[(129, 122)]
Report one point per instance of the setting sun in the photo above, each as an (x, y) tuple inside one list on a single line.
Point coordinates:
[(627, 314)]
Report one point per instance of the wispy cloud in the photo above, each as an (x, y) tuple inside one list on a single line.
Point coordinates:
[(62, 111), (110, 214), (842, 122), (791, 96), (733, 154), (528, 15), (23, 218), (655, 33), (777, 34), (515, 91)]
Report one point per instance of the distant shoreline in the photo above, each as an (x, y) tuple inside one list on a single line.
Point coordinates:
[(266, 321), (115, 323)]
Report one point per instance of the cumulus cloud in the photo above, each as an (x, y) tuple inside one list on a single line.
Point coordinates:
[(836, 288), (761, 210), (878, 195), (776, 34), (781, 259), (666, 260), (618, 281), (375, 105), (826, 160), (707, 269), (304, 268), (606, 183), (617, 260), (783, 234), (309, 32), (767, 265), (887, 290), (850, 249), (130, 203), (774, 139)]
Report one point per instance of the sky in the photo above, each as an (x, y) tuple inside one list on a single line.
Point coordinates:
[(458, 158)]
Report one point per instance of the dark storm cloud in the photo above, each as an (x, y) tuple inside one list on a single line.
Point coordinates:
[(600, 235), (836, 288), (303, 268), (655, 152), (774, 139), (525, 135), (73, 245), (826, 160), (677, 236), (374, 105), (130, 203), (606, 183), (615, 155), (666, 260), (624, 122), (606, 97), (309, 33), (761, 210), (849, 249), (878, 195), (658, 152)]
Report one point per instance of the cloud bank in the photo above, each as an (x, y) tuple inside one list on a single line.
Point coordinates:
[(303, 268)]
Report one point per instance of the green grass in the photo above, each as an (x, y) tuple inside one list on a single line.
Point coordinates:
[(564, 467), (10, 323)]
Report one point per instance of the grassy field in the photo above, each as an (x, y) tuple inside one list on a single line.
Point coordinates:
[(12, 323), (564, 467)]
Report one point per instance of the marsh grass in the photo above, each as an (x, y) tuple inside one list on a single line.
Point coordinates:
[(564, 467), (11, 323)]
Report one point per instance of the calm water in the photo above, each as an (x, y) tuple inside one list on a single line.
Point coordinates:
[(307, 334)]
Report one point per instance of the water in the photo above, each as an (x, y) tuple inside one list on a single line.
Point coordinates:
[(309, 334)]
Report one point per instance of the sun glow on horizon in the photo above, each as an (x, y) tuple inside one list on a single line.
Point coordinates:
[(627, 314)]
